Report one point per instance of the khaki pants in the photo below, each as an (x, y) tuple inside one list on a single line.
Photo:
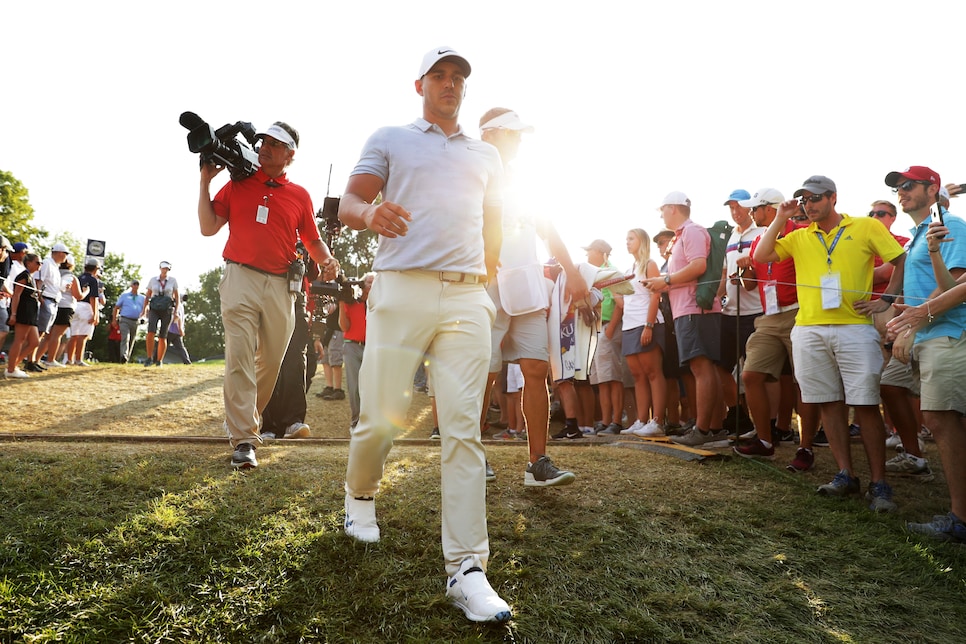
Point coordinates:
[(258, 314), (411, 314)]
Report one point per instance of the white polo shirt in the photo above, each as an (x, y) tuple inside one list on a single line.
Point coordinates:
[(445, 182)]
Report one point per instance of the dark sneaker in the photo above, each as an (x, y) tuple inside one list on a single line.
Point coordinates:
[(614, 429), (435, 434), (781, 435), (243, 458), (544, 473), (756, 449), (943, 527), (568, 434), (33, 367), (490, 474), (337, 394), (880, 497), (599, 427), (855, 432), (905, 464), (149, 363), (841, 485), (325, 392), (803, 461), (469, 591), (821, 440)]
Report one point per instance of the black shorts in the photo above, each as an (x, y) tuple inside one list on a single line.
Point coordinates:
[(64, 316), (734, 332)]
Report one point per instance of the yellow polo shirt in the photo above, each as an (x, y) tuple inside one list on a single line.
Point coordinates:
[(853, 259)]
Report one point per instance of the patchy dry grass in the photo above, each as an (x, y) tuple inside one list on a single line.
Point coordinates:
[(107, 540)]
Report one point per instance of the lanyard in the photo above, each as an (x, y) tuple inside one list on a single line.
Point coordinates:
[(828, 249)]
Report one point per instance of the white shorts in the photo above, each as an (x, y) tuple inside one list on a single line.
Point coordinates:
[(514, 378), (83, 321), (838, 362)]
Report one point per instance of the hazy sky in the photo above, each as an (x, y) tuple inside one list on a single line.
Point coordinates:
[(630, 101)]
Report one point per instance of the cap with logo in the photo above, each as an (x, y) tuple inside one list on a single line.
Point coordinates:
[(817, 185), (437, 54), (59, 248), (914, 172), (764, 197), (737, 195), (164, 265)]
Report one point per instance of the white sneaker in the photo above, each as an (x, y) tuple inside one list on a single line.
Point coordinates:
[(81, 363), (297, 430), (753, 433), (17, 373), (633, 428), (925, 434), (360, 519), (52, 363), (469, 590), (652, 428), (894, 441)]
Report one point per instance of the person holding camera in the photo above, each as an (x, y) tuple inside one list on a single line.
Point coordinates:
[(440, 230), (160, 301), (266, 215)]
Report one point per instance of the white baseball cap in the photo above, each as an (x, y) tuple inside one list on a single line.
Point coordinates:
[(437, 54), (59, 248), (763, 197), (676, 198)]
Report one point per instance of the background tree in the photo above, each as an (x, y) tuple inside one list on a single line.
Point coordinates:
[(16, 213), (204, 333)]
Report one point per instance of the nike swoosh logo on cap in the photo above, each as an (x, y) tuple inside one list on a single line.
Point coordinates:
[(444, 51)]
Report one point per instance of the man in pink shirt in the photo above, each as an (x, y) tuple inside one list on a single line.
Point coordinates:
[(698, 330)]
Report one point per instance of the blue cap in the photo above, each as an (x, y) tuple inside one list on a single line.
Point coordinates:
[(738, 195)]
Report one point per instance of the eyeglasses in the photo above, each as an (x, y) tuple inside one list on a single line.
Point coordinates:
[(274, 143), (879, 214), (812, 198), (908, 185)]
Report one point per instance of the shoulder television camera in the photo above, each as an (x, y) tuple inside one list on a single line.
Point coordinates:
[(222, 146)]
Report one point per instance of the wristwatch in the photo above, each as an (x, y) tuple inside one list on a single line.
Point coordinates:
[(888, 298), (667, 279)]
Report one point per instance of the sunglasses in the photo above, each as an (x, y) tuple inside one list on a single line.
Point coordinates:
[(799, 218), (908, 185), (813, 198), (879, 214)]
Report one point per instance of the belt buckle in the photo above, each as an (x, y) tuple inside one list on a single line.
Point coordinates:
[(443, 277)]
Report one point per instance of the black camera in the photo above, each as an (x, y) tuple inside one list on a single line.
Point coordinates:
[(329, 214), (222, 146), (341, 289)]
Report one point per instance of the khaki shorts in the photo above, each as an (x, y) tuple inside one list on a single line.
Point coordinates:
[(770, 346), (941, 366), (897, 374), (607, 359)]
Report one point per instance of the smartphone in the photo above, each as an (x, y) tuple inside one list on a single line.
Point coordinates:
[(936, 214), (962, 188)]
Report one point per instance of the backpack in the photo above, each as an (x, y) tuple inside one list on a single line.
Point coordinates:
[(709, 282)]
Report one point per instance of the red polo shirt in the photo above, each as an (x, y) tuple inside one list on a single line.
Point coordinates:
[(782, 272), (265, 221)]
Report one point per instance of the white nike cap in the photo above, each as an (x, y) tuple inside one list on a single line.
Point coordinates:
[(437, 54)]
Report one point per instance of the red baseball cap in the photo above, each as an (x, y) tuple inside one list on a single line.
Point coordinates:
[(914, 172)]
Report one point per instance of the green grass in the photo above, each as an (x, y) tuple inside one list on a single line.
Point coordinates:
[(140, 542)]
